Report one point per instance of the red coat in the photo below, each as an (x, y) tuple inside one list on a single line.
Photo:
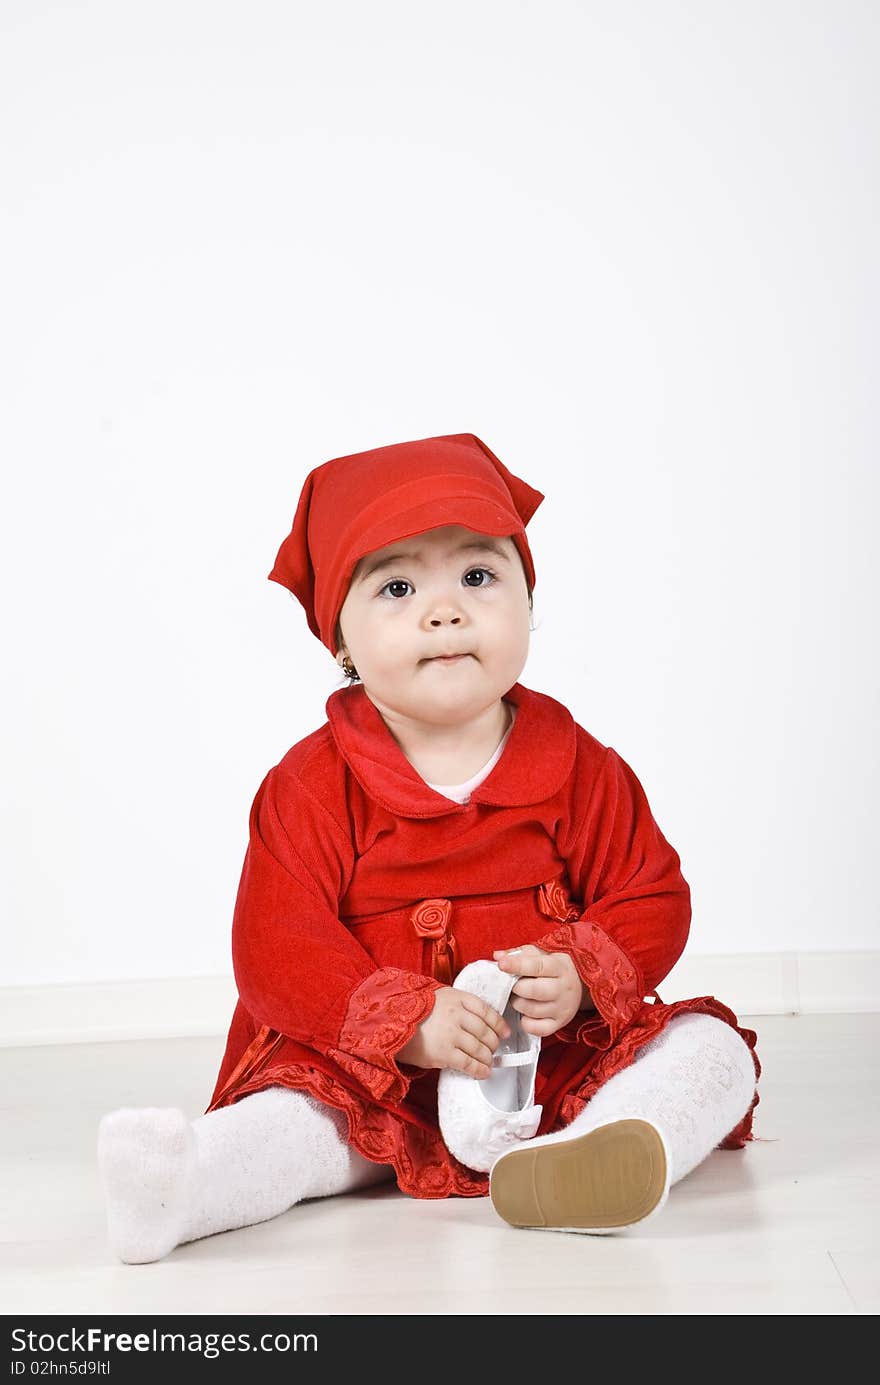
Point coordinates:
[(363, 890)]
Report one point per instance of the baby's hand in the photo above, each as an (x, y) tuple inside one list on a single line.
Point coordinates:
[(551, 991), (461, 1032)]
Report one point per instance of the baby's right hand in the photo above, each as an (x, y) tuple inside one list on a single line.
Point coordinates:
[(461, 1032)]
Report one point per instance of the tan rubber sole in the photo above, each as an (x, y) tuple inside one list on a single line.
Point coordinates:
[(608, 1177)]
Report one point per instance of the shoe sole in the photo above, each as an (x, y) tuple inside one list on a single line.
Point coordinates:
[(607, 1178)]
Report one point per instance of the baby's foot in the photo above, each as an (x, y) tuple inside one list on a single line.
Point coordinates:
[(146, 1159)]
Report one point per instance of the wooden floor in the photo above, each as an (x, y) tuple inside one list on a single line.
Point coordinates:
[(787, 1225)]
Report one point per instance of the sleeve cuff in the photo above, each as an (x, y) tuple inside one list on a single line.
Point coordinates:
[(612, 978), (383, 1013)]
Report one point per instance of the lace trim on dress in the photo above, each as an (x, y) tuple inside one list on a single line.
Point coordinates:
[(612, 978), (649, 1023), (383, 1013), (423, 1165)]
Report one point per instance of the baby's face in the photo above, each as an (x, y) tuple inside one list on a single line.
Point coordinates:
[(442, 598)]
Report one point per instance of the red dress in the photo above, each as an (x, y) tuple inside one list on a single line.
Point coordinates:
[(363, 890)]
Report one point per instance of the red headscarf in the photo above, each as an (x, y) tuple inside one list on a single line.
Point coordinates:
[(353, 505)]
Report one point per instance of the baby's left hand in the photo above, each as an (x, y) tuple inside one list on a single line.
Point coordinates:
[(550, 992)]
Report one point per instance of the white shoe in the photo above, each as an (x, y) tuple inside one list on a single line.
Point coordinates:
[(596, 1181), (481, 1118)]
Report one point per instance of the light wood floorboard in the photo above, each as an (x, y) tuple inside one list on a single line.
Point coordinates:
[(788, 1225)]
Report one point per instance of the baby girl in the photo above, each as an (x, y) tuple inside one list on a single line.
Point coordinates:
[(443, 813)]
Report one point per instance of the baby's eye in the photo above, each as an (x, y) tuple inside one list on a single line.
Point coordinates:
[(395, 582), (402, 582), (487, 570)]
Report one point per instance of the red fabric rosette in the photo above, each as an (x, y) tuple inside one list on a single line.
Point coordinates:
[(430, 919)]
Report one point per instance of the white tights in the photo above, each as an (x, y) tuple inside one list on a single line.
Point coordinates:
[(168, 1180), (695, 1079)]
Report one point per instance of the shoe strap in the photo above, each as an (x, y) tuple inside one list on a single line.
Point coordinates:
[(512, 1060)]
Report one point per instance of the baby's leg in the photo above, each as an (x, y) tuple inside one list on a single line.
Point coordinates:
[(168, 1180), (643, 1130), (696, 1079)]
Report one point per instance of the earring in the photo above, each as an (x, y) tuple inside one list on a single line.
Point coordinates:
[(348, 668)]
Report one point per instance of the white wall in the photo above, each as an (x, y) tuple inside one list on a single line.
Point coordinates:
[(629, 245)]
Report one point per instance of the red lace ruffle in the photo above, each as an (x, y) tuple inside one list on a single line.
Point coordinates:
[(383, 1013), (649, 1023), (422, 1164), (612, 978)]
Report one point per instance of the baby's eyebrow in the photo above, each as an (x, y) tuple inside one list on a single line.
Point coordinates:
[(473, 546)]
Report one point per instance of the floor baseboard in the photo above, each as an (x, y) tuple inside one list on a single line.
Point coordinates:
[(771, 983)]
